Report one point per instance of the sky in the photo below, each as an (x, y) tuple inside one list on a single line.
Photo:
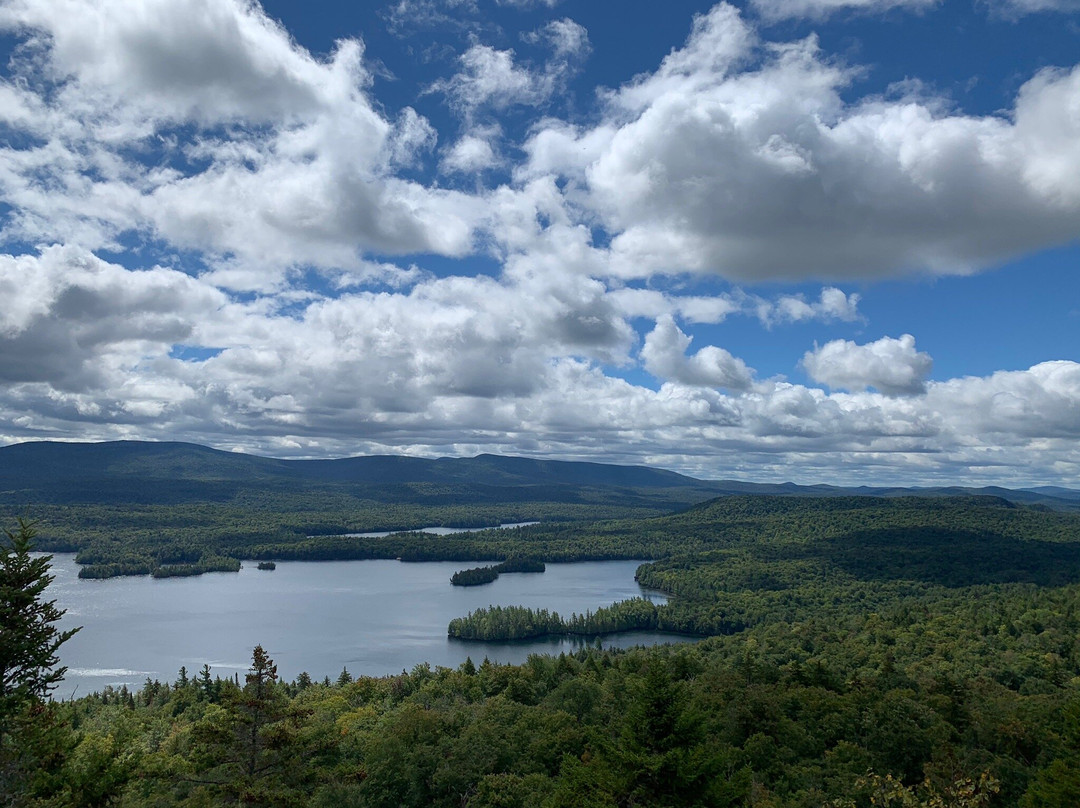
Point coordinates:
[(830, 241)]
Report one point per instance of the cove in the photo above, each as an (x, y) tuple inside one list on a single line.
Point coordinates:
[(373, 617)]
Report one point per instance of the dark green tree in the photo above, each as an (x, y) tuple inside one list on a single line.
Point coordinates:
[(248, 749), (29, 671), (206, 684), (29, 638)]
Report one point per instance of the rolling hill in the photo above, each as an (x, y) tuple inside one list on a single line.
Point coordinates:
[(168, 473)]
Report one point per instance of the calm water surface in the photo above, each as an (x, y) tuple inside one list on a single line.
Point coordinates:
[(373, 617), (437, 531)]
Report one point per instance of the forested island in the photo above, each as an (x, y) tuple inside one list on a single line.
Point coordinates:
[(476, 576), (520, 623)]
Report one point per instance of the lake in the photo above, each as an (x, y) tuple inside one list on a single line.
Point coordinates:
[(373, 617), (437, 531)]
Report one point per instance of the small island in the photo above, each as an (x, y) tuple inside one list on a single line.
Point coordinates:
[(267, 565), (503, 623), (208, 564), (485, 575)]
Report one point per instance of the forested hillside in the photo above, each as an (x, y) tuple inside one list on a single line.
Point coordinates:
[(135, 472), (134, 507), (966, 700), (138, 508), (865, 652)]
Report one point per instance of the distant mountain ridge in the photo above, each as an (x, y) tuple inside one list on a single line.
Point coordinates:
[(141, 471), (39, 460)]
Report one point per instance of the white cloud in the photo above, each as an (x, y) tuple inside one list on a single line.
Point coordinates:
[(79, 324), (652, 304), (490, 77), (472, 153), (462, 365), (284, 160), (524, 4), (735, 156), (775, 10), (819, 9), (493, 79), (893, 366), (833, 304), (569, 41), (664, 356), (207, 60), (745, 160), (1017, 8)]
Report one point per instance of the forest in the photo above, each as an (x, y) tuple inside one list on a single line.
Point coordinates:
[(135, 508), (856, 652), (520, 623), (475, 576)]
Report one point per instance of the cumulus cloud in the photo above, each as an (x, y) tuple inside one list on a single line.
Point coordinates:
[(832, 304), (819, 9), (775, 10), (744, 159), (1018, 8), (208, 60), (569, 42), (470, 154), (664, 356), (84, 327), (493, 79), (459, 365), (892, 366), (290, 162), (201, 134), (653, 304), (528, 3), (78, 324)]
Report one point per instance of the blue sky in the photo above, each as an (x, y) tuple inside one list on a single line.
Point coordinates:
[(814, 240)]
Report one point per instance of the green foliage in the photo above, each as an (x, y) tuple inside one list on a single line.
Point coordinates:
[(485, 575), (531, 565), (207, 564), (129, 508), (474, 577), (865, 652), (519, 623), (29, 640), (915, 706)]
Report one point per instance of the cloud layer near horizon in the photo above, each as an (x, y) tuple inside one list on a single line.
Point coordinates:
[(278, 197)]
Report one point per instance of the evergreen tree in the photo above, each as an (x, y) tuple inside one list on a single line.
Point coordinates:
[(29, 640), (247, 748), (206, 684)]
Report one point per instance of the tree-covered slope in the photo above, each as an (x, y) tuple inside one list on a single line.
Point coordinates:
[(168, 473), (165, 473), (868, 653)]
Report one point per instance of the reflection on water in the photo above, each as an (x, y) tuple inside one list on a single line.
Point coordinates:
[(437, 531), (373, 617)]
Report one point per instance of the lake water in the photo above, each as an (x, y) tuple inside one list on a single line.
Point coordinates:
[(373, 617), (437, 531)]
